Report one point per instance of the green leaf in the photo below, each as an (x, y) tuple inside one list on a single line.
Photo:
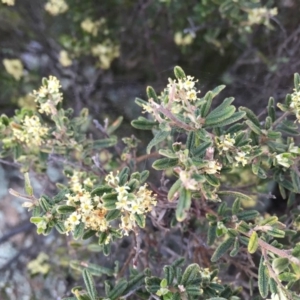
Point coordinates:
[(118, 290), (134, 282), (191, 273), (93, 268), (273, 286), (151, 94), (271, 109), (214, 118), (247, 215), (190, 142), (235, 117), (287, 276), (115, 125), (89, 233), (143, 124), (174, 189), (78, 231), (179, 73), (222, 249), (250, 116), (236, 206), (296, 181), (253, 127), (100, 190), (200, 150), (212, 179), (207, 104), (165, 163), (275, 232), (235, 195), (140, 102), (236, 248), (109, 201), (169, 274), (112, 215), (36, 220), (105, 143), (90, 284), (159, 137), (65, 209), (28, 187), (226, 102), (216, 91), (193, 290), (269, 221), (263, 279), (60, 227), (253, 243), (211, 234), (144, 176), (140, 219), (184, 204), (102, 237), (280, 264), (152, 284), (168, 153)]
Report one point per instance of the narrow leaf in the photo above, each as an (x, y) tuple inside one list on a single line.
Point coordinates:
[(165, 163), (90, 284), (184, 204), (174, 189), (222, 249), (263, 279), (105, 143), (253, 243), (159, 137), (143, 124)]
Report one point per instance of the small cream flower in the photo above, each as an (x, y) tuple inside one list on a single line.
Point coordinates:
[(64, 58), (241, 158), (284, 160), (9, 2), (224, 143), (192, 95), (213, 167), (74, 218), (182, 40), (56, 7), (14, 67), (31, 131)]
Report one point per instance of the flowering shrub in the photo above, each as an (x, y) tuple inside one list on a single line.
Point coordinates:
[(202, 149)]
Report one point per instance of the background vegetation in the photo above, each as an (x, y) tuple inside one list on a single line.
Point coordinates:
[(105, 53)]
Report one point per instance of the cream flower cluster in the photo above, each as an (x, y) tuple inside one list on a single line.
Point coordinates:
[(64, 58), (14, 67), (30, 131), (48, 95), (106, 53), (184, 90), (89, 209), (56, 7), (226, 143), (92, 27), (9, 2), (181, 95), (183, 40), (295, 104), (139, 202), (261, 15)]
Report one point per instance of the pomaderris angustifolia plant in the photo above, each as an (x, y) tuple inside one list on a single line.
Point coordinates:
[(202, 149)]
